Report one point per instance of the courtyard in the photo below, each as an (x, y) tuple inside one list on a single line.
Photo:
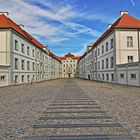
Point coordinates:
[(69, 109)]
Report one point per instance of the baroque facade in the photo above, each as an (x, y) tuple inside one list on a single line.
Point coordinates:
[(119, 45), (69, 65), (22, 58)]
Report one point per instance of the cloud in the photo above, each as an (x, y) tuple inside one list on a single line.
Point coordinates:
[(82, 29), (39, 20), (132, 2), (84, 48)]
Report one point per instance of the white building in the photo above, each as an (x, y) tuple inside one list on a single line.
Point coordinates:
[(69, 65), (118, 45), (22, 58)]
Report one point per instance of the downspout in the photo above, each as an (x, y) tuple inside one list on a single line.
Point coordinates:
[(139, 54), (138, 46)]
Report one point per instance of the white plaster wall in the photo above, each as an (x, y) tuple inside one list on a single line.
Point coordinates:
[(122, 51)]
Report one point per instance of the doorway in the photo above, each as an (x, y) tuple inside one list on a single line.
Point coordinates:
[(69, 75), (88, 76)]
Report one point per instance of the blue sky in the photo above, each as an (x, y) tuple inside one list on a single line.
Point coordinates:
[(67, 25)]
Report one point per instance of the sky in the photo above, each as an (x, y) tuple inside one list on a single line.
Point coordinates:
[(67, 25)]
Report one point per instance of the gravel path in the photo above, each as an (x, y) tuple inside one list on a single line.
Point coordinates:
[(69, 109), (21, 105), (123, 102)]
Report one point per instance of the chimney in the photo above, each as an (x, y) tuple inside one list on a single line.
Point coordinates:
[(89, 48), (123, 12), (21, 26), (46, 49), (5, 13), (109, 25)]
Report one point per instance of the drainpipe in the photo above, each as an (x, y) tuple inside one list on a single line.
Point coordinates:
[(139, 54), (138, 46)]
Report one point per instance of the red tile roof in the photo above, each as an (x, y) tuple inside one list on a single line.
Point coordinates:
[(6, 23), (54, 56), (124, 22), (71, 56)]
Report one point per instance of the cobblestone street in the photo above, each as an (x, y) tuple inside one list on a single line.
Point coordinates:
[(69, 109)]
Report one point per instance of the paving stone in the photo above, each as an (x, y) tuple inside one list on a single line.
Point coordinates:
[(68, 109)]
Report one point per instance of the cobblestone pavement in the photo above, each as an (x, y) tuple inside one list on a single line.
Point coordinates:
[(69, 109)]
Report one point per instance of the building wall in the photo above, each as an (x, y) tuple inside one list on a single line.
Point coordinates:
[(27, 56), (30, 64), (4, 75), (90, 65), (69, 66), (4, 47), (122, 50), (125, 72)]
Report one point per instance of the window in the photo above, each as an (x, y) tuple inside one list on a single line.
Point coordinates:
[(16, 63), (107, 63), (16, 78), (133, 76), (43, 57), (102, 64), (98, 52), (112, 77), (107, 76), (64, 70), (121, 76), (22, 78), (22, 64), (98, 65), (33, 53), (103, 49), (103, 76), (99, 76), (95, 53), (28, 51), (33, 66), (28, 78), (37, 55), (33, 78), (2, 78), (28, 65), (22, 48), (95, 66), (64, 65), (112, 44), (130, 59), (16, 45), (106, 46), (129, 41), (112, 62)]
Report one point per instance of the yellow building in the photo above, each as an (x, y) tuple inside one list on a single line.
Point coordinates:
[(69, 65)]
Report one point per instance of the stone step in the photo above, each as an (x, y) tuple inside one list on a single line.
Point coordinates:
[(78, 131), (62, 101), (74, 117), (76, 125), (75, 107), (78, 111), (82, 137), (73, 104)]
